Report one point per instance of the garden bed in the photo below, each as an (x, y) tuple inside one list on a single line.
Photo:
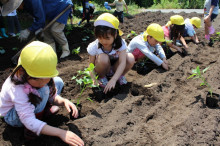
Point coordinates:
[(171, 112)]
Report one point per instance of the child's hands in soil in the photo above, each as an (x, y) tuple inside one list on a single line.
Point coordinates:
[(110, 85), (71, 138), (71, 108)]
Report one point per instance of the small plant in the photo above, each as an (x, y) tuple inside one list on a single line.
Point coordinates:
[(197, 74), (76, 51), (15, 49), (133, 33), (84, 79), (68, 29), (2, 51)]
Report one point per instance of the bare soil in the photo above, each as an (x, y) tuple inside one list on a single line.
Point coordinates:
[(172, 112)]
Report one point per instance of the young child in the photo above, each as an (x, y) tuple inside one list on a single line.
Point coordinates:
[(210, 13), (144, 45), (27, 91), (190, 26), (108, 52), (119, 9), (13, 23), (88, 10), (174, 30)]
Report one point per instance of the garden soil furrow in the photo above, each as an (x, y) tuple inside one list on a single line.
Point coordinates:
[(172, 112)]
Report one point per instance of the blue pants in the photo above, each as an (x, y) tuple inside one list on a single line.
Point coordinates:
[(12, 117)]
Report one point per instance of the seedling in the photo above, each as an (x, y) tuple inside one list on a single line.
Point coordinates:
[(84, 79), (197, 74), (2, 51), (68, 28), (15, 49), (76, 51), (133, 33)]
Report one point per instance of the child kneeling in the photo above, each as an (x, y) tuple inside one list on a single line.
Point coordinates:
[(146, 44)]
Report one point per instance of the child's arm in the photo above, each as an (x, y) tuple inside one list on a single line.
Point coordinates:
[(112, 4), (58, 100), (184, 43), (195, 39), (126, 7), (67, 136), (118, 73)]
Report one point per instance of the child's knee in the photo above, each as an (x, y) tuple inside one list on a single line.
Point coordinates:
[(59, 84), (103, 59), (130, 59)]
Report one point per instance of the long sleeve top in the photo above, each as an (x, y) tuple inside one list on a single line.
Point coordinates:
[(139, 43), (43, 10), (14, 96)]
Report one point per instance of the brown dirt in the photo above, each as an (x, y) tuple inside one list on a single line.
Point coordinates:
[(172, 112)]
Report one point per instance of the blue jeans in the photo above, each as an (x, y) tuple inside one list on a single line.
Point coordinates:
[(12, 117)]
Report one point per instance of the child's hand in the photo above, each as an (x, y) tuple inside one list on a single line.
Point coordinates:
[(165, 66), (69, 105), (110, 85), (71, 138)]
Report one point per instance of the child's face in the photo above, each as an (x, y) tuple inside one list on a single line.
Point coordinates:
[(107, 41), (153, 42), (38, 83)]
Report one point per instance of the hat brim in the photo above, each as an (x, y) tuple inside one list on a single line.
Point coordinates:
[(10, 6)]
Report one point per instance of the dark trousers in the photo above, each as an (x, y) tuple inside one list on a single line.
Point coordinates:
[(13, 24)]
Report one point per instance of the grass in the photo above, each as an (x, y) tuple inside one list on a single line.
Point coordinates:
[(166, 5)]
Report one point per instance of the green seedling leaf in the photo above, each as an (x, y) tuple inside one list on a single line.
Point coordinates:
[(15, 49), (84, 79), (89, 99), (168, 41), (2, 51), (197, 74), (218, 33), (84, 39), (204, 70), (76, 51)]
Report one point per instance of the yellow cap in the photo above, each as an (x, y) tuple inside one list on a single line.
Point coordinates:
[(39, 60), (156, 31), (177, 19), (195, 21), (107, 19)]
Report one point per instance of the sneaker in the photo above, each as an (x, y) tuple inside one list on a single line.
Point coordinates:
[(207, 37), (178, 43), (122, 80), (211, 30), (103, 82)]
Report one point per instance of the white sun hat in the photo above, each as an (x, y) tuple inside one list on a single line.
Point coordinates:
[(9, 6)]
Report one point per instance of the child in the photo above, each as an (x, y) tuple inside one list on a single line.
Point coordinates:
[(13, 23), (210, 13), (144, 45), (108, 52), (174, 31), (119, 9), (26, 92), (190, 26), (88, 9)]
